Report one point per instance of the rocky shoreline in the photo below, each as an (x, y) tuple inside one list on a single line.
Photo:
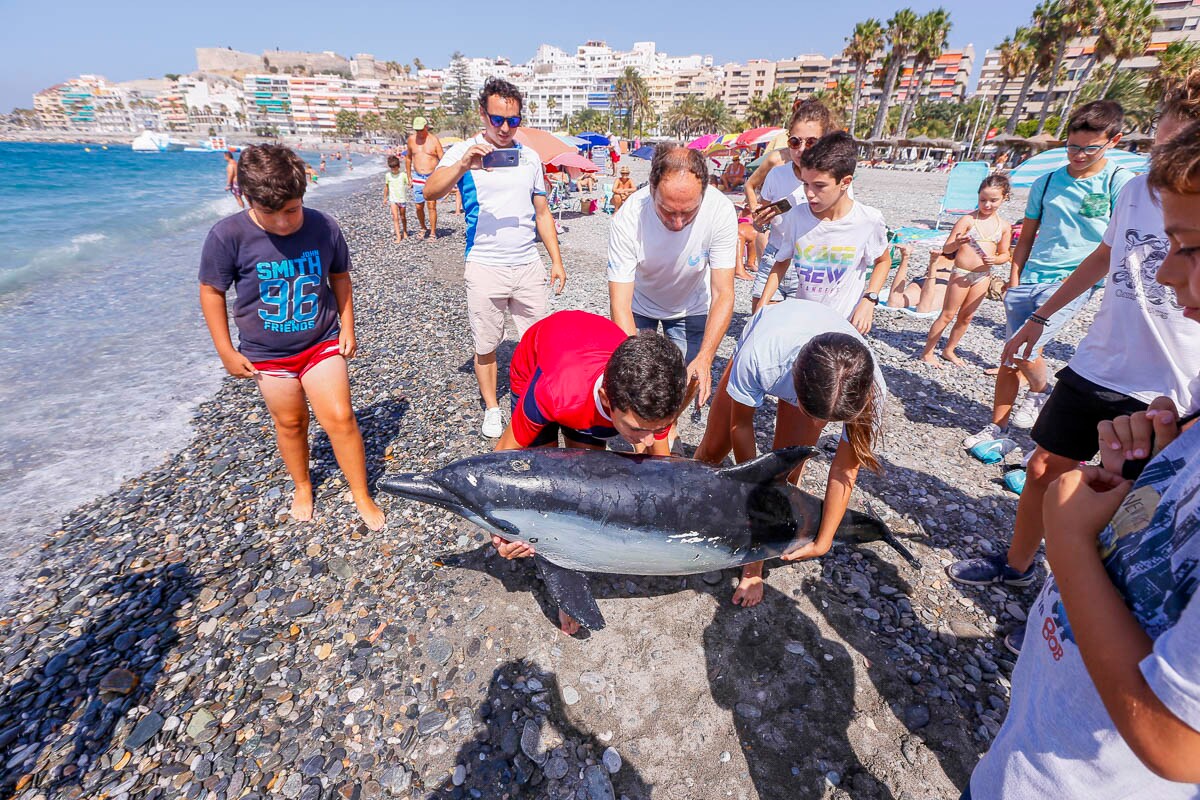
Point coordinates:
[(183, 638)]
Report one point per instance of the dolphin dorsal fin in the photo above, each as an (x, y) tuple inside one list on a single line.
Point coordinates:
[(766, 468)]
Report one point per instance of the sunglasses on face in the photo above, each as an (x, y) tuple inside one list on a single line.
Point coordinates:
[(794, 142), (498, 121), (1090, 149)]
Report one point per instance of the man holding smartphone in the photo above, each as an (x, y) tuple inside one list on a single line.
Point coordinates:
[(503, 190)]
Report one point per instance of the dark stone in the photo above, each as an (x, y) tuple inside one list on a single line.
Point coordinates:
[(118, 681), (430, 722), (915, 716), (298, 607), (144, 731), (56, 664)]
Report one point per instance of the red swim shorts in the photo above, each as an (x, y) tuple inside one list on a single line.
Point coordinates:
[(296, 366)]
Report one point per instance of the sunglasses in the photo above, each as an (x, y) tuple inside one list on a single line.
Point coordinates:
[(794, 142), (498, 121), (1090, 149)]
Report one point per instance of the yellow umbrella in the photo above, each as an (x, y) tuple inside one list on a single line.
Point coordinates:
[(450, 139), (726, 142)]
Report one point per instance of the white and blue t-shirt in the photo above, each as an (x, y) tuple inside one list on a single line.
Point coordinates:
[(498, 206), (1058, 740)]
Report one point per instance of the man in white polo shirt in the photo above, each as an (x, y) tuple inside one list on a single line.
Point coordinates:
[(671, 253), (505, 209)]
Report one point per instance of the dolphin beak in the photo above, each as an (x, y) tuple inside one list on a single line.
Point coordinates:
[(415, 487)]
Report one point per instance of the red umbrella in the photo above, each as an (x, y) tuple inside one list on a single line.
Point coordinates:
[(752, 136), (572, 162), (544, 143)]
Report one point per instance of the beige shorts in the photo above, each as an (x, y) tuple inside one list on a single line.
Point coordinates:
[(522, 290)]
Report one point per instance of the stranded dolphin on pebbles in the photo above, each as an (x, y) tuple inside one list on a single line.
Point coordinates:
[(589, 511)]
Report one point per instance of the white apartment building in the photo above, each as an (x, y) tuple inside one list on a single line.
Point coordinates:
[(804, 74), (946, 80)]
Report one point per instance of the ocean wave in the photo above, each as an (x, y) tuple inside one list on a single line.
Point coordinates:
[(88, 238)]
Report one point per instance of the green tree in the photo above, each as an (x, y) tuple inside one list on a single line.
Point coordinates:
[(933, 30), (1033, 40), (861, 46), (714, 116), (457, 95), (1067, 20), (681, 118), (1128, 34), (1127, 87), (586, 119), (346, 123), (395, 121), (371, 122), (901, 34), (1175, 63), (771, 108)]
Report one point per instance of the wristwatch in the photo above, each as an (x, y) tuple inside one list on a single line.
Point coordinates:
[(873, 297)]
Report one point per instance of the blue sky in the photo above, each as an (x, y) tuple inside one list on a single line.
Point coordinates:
[(44, 42)]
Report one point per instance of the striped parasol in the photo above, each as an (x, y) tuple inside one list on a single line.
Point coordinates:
[(1029, 171)]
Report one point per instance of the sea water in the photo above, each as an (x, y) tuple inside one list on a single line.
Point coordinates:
[(104, 355)]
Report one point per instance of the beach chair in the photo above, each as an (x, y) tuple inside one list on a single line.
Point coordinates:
[(962, 190), (606, 205)]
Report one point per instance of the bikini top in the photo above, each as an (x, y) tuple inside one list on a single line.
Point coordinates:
[(979, 235)]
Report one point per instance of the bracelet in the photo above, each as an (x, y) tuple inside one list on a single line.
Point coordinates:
[(1039, 319)]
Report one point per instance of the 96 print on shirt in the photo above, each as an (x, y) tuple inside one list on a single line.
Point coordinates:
[(288, 289)]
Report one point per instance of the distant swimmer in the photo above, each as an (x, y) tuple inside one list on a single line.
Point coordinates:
[(424, 153), (322, 163), (231, 180)]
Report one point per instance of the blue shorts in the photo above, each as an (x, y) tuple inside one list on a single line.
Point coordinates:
[(787, 285), (1022, 301), (687, 333), (418, 187)]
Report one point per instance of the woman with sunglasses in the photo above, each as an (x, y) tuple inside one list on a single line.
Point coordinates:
[(779, 177)]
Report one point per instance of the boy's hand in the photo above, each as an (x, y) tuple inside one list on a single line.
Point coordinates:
[(558, 274), (238, 365), (863, 316), (511, 550), (763, 216), (347, 343), (1138, 436), (1077, 508), (1025, 337)]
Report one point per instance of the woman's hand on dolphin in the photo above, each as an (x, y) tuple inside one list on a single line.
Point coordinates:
[(508, 549), (809, 550)]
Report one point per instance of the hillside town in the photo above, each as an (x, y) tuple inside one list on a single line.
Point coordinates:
[(1041, 68)]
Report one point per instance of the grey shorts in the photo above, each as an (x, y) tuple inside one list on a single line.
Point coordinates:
[(787, 286)]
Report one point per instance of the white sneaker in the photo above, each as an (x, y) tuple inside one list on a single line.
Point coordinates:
[(493, 423), (1025, 414), (992, 431)]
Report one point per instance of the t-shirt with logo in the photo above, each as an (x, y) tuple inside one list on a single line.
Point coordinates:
[(669, 269), (1140, 344), (831, 258), (556, 373), (1073, 214), (498, 206), (284, 304), (1058, 739), (763, 359), (397, 185)]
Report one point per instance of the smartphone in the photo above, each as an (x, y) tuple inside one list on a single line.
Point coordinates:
[(782, 206), (504, 157)]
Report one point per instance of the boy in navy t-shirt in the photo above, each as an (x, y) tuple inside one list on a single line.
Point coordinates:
[(295, 317)]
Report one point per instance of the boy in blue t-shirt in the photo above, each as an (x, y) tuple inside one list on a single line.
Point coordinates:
[(1065, 220), (290, 267), (1106, 692)]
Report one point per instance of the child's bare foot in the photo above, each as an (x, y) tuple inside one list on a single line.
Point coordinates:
[(371, 514), (302, 504), (953, 358), (992, 371), (399, 239), (742, 275), (568, 624), (749, 591), (929, 358)]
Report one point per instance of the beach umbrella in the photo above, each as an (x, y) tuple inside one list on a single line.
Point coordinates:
[(1032, 169), (702, 142), (723, 143), (544, 143), (572, 163), (646, 151), (593, 139), (450, 139), (757, 136), (1007, 138), (1043, 140), (573, 141)]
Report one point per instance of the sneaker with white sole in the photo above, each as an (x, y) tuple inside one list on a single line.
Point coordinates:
[(1014, 638), (987, 571), (992, 431), (1025, 414), (493, 423)]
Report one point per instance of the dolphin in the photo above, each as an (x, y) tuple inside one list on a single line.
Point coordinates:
[(599, 511)]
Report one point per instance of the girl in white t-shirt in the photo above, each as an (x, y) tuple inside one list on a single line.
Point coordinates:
[(977, 242)]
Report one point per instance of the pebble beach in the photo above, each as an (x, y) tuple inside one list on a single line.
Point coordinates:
[(182, 637)]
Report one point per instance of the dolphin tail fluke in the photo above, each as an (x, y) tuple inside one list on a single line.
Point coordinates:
[(569, 589), (868, 528), (768, 467)]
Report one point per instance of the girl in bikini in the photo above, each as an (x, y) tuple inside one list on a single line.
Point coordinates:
[(978, 242)]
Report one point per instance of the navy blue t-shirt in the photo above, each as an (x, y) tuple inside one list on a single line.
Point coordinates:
[(284, 304)]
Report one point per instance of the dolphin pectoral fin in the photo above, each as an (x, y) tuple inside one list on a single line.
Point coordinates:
[(569, 589), (767, 467)]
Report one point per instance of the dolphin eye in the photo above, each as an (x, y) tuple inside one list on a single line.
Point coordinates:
[(533, 540)]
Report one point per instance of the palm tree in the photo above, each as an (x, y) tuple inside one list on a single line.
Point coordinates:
[(861, 47), (1016, 60), (417, 65), (1128, 89), (1036, 39), (1132, 25), (1174, 65), (932, 32), (901, 33), (631, 96), (1068, 19), (769, 109)]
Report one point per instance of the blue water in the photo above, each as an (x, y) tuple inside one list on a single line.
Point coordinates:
[(103, 352)]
